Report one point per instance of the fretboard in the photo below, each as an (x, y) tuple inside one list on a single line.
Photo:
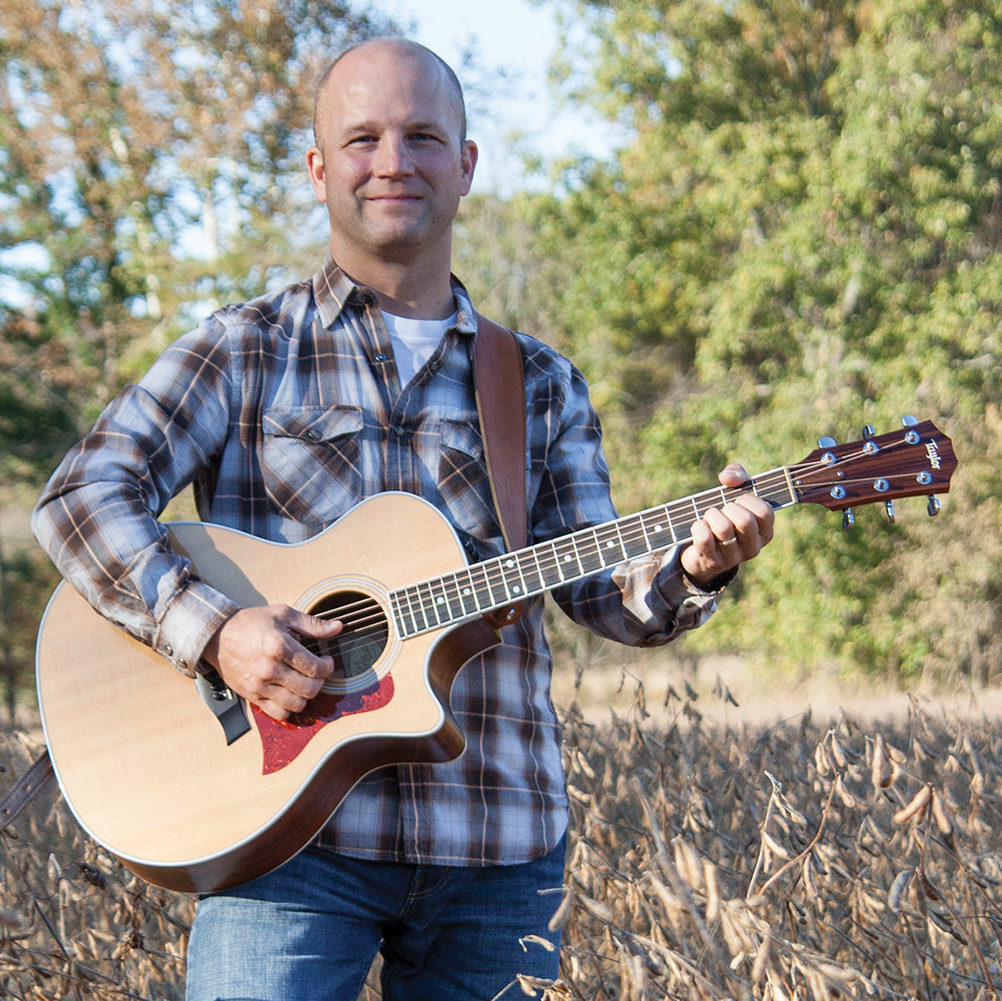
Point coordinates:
[(502, 580)]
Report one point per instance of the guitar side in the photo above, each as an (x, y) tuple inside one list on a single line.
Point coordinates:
[(143, 763)]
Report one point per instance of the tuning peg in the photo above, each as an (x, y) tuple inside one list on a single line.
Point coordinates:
[(870, 447), (889, 508), (827, 442), (908, 421), (848, 519), (933, 506)]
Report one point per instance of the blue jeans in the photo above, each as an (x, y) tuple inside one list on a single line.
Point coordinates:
[(310, 930)]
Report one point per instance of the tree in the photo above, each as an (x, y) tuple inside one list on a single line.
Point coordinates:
[(150, 168), (802, 238)]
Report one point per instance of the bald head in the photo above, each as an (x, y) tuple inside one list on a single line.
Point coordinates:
[(399, 48)]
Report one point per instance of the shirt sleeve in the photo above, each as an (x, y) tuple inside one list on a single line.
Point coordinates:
[(645, 601), (97, 516)]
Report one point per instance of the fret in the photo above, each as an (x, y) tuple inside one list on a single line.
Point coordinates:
[(407, 598), (609, 545), (487, 591), (468, 593), (439, 601), (398, 613), (568, 561), (514, 581), (549, 565), (453, 599), (426, 605), (535, 582), (633, 537), (656, 522)]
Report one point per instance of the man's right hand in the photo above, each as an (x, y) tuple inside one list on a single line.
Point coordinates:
[(258, 653)]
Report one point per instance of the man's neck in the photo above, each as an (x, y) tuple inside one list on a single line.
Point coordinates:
[(405, 289)]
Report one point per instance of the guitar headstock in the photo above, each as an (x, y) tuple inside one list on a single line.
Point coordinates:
[(916, 460)]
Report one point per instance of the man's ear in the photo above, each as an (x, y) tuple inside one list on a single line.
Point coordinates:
[(315, 167), (469, 160)]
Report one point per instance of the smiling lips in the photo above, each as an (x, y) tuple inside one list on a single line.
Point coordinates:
[(393, 197)]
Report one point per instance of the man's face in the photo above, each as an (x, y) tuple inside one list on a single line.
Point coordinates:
[(391, 165)]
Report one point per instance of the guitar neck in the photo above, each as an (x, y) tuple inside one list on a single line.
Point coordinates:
[(502, 580)]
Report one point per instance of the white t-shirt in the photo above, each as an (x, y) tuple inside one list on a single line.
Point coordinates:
[(413, 341)]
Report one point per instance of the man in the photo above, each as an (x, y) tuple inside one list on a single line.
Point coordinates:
[(285, 412)]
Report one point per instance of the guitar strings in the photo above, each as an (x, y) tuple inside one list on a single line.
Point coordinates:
[(581, 546), (366, 618)]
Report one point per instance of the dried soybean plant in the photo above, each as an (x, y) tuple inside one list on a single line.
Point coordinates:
[(801, 861), (784, 863), (73, 922)]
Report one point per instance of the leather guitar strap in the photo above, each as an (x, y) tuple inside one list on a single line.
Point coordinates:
[(499, 382), (25, 788)]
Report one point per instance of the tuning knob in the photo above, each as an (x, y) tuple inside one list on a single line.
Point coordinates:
[(933, 506), (889, 508), (848, 518)]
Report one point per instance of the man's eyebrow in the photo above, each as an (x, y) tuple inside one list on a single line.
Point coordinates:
[(417, 125)]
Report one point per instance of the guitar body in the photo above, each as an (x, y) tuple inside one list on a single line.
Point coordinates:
[(145, 765)]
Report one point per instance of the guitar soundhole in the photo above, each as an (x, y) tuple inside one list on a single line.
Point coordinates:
[(361, 641)]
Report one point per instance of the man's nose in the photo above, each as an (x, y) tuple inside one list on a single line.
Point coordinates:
[(393, 158)]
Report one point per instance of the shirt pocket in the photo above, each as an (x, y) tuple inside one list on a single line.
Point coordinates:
[(311, 459), (464, 485)]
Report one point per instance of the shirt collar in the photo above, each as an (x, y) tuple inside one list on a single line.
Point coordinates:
[(333, 290)]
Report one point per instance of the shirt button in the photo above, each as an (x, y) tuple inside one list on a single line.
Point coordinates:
[(169, 650), (380, 357), (400, 431), (313, 434)]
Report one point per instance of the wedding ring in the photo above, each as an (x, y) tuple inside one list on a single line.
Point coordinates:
[(728, 542)]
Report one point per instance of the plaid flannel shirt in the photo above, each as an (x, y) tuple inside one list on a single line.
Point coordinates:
[(284, 413)]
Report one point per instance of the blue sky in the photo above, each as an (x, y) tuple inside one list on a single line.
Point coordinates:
[(518, 37)]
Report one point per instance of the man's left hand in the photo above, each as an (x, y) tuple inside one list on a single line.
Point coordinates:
[(727, 536)]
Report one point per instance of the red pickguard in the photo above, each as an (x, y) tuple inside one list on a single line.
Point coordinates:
[(283, 741)]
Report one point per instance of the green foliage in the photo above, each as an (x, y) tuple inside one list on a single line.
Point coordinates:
[(801, 239), (147, 171)]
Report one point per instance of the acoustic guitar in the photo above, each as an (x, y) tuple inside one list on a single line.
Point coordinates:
[(195, 790)]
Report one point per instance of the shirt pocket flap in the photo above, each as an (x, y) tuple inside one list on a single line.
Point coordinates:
[(461, 436), (312, 423)]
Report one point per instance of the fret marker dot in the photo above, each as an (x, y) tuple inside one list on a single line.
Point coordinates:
[(610, 544), (440, 600), (466, 590), (567, 559), (509, 563), (657, 528), (516, 590)]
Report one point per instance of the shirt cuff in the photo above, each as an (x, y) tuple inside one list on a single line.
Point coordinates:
[(676, 586), (193, 617)]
